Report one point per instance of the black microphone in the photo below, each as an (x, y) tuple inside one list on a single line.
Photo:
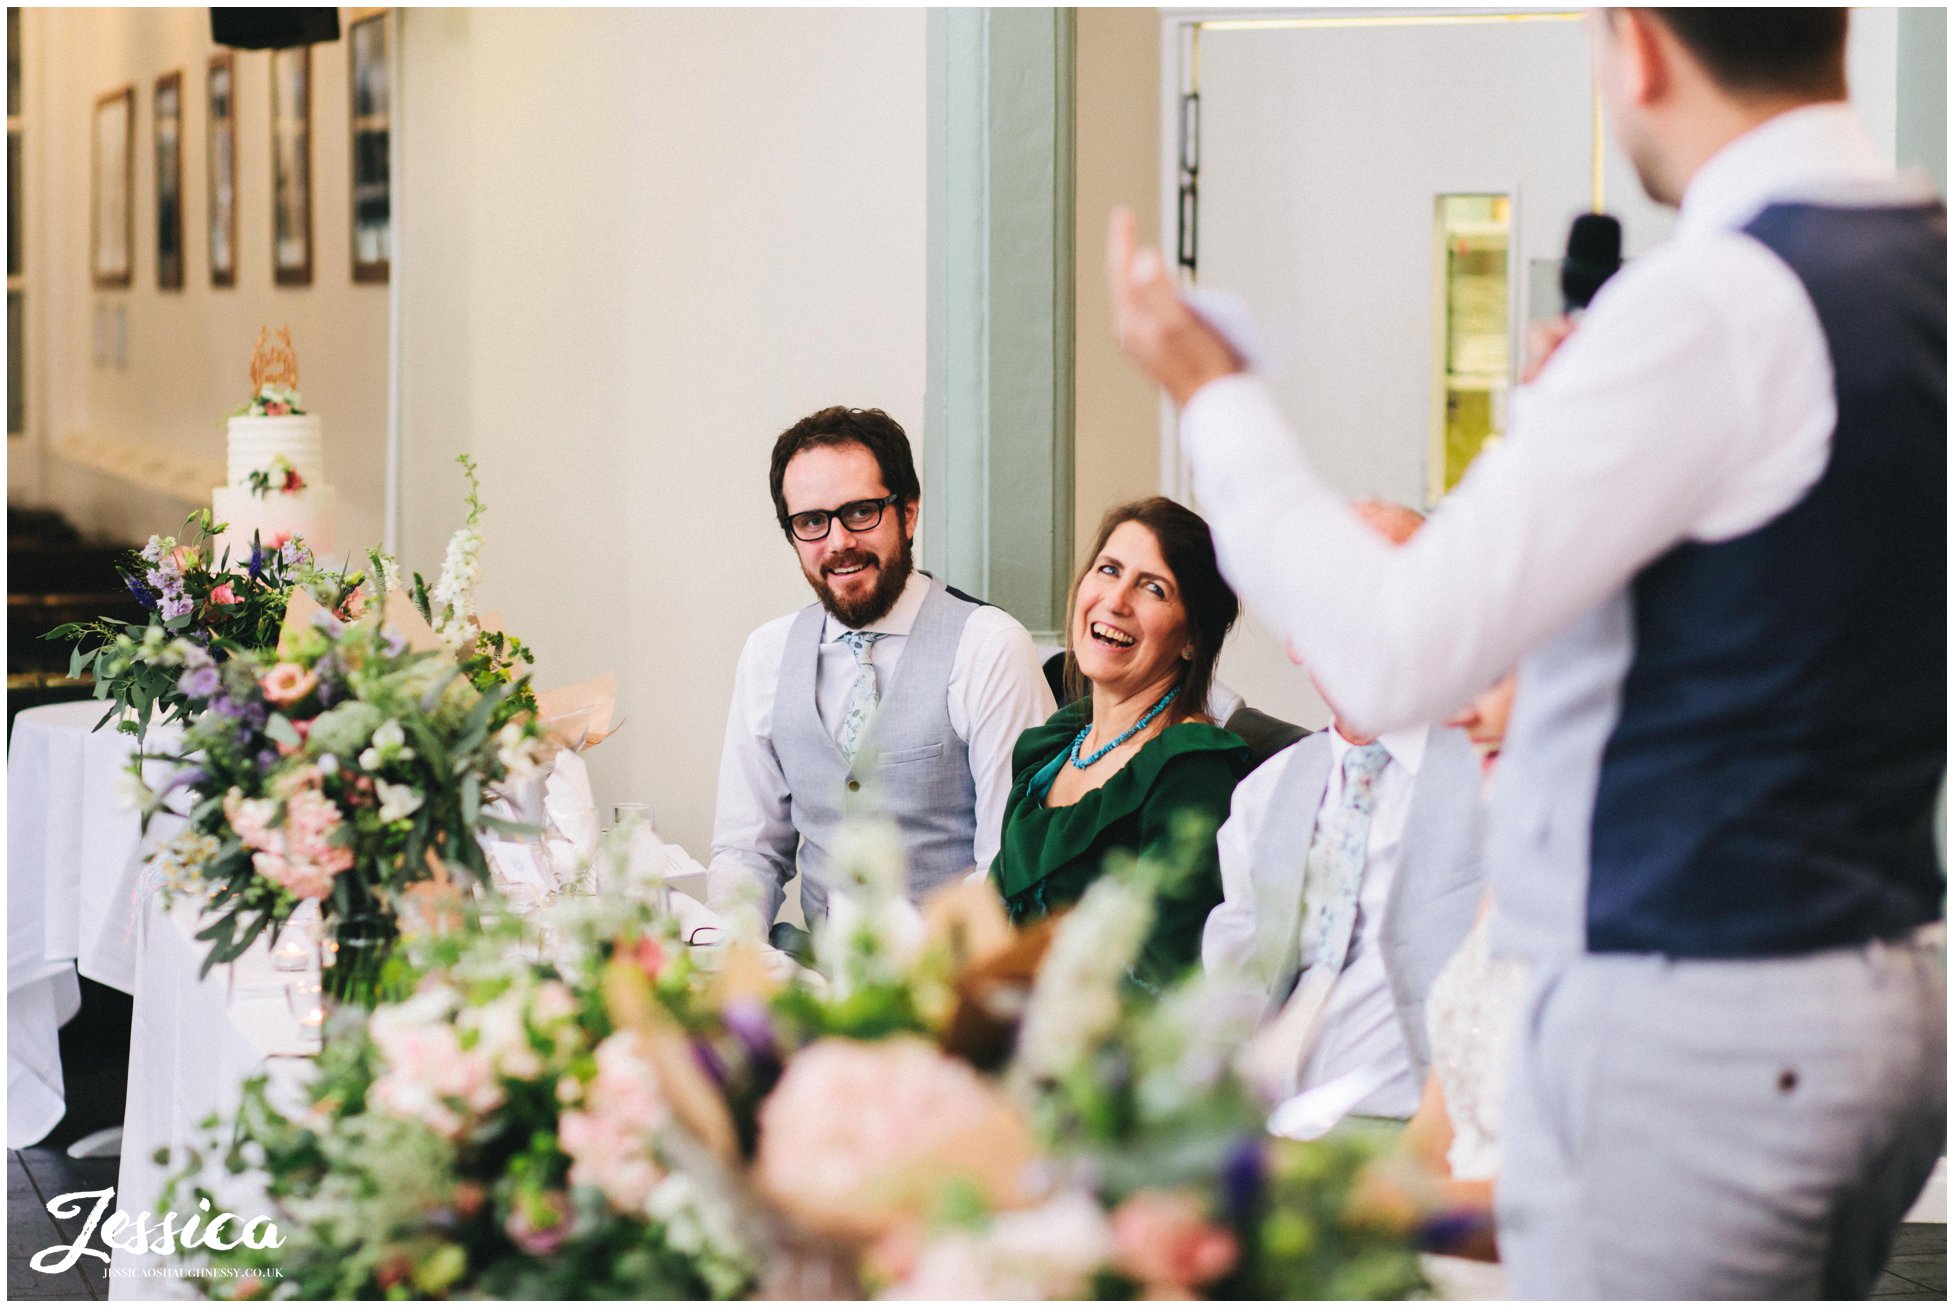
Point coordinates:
[(1594, 253)]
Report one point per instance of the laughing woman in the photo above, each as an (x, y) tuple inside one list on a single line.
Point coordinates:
[(1135, 749)]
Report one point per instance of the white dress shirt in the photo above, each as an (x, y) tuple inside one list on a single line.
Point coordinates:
[(997, 691), (1359, 1027), (1694, 402)]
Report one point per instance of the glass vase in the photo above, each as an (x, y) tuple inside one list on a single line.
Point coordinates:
[(356, 959)]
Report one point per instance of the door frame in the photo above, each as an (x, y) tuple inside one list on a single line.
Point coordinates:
[(1180, 76)]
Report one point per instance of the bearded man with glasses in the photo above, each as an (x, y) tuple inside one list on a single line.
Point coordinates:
[(819, 708)]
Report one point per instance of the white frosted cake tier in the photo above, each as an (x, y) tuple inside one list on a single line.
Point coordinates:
[(276, 517), (256, 443)]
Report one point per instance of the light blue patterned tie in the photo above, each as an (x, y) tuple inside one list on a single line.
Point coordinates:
[(864, 696), (1333, 873)]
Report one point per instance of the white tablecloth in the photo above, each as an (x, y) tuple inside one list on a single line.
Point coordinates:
[(74, 860), (193, 1043)]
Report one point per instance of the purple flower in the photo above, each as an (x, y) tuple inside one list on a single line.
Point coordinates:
[(747, 1021), (267, 759), (1242, 1175), (177, 605), (140, 591), (200, 681), (257, 564), (327, 623), (395, 642), (709, 1061), (295, 552), (183, 777)]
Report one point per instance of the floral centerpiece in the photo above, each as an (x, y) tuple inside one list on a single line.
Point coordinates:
[(221, 605), (951, 1109), (345, 766), (350, 759)]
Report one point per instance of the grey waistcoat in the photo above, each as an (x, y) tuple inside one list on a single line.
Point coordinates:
[(1433, 899), (922, 768)]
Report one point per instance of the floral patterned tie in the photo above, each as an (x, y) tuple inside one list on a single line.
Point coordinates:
[(1333, 873), (864, 696)]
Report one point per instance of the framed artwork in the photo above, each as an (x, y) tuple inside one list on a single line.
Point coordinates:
[(291, 166), (168, 106), (111, 257), (369, 98), (221, 170)]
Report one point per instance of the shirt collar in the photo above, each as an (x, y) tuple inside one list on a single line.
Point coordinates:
[(1801, 153), (897, 621), (1406, 747)]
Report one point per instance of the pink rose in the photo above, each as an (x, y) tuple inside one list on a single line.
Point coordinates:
[(649, 956), (223, 594), (858, 1137), (288, 683), (353, 606), (1162, 1239), (276, 540), (184, 557), (277, 409)]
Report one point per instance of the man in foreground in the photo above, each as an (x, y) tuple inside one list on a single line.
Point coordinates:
[(1716, 537)]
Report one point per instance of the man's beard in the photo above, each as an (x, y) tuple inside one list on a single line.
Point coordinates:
[(890, 579)]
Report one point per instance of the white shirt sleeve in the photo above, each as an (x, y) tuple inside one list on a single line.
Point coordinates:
[(1695, 400), (753, 837), (997, 692), (1228, 941)]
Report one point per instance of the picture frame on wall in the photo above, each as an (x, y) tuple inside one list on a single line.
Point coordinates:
[(111, 257), (291, 166), (168, 119), (369, 39), (221, 171)]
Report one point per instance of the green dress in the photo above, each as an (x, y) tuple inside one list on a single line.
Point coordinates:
[(1049, 856)]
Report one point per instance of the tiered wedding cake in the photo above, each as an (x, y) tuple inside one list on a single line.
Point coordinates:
[(276, 478)]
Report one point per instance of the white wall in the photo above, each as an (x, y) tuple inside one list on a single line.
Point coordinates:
[(188, 350), (1298, 215), (634, 247)]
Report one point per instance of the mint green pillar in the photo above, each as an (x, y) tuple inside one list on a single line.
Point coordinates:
[(997, 440)]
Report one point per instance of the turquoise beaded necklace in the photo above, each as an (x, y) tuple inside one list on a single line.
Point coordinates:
[(1078, 741)]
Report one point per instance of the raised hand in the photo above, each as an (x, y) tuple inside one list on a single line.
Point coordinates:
[(1170, 342)]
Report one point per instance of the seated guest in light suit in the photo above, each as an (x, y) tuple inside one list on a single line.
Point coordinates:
[(890, 665), (1351, 873), (1113, 769)]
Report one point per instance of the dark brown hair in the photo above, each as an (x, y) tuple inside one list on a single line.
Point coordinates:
[(872, 429), (1798, 52), (1188, 548)]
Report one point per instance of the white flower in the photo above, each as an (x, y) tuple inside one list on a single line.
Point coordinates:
[(389, 746), (132, 791), (397, 800), (1075, 1002), (501, 1036), (453, 595), (521, 753), (1049, 1252), (705, 1228)]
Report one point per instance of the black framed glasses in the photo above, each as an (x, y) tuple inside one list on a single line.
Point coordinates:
[(857, 515)]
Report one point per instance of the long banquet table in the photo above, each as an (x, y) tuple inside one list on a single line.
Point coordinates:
[(75, 855), (193, 1042)]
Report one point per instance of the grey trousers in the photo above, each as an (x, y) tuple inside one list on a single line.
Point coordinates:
[(1722, 1130)]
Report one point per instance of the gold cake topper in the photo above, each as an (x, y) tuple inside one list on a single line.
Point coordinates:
[(273, 362)]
